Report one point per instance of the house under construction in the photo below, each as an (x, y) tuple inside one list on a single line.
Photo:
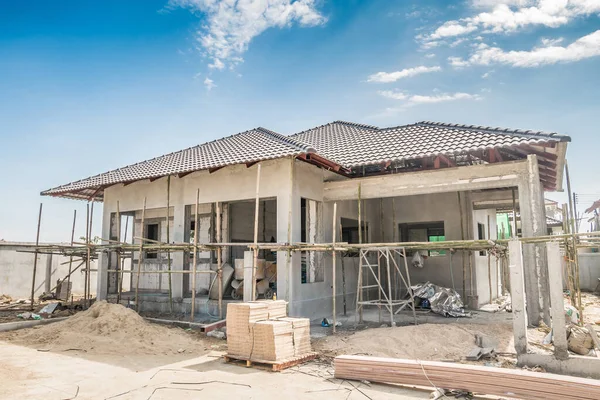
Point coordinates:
[(374, 187)]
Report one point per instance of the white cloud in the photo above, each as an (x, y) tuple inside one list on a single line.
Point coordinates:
[(416, 99), (551, 42), (487, 74), (229, 26), (430, 55), (584, 47), (510, 15), (393, 94), (386, 77), (217, 64), (209, 83)]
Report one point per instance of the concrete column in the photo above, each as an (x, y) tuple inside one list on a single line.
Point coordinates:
[(177, 235), (288, 216), (559, 333), (48, 280), (533, 223), (517, 294)]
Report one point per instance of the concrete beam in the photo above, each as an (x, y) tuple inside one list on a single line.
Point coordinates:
[(474, 177), (585, 367)]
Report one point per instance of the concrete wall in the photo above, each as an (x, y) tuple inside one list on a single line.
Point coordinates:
[(16, 269), (589, 270)]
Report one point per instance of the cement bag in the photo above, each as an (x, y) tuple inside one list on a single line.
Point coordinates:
[(580, 341), (417, 260)]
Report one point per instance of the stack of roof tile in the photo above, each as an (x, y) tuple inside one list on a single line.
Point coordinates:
[(273, 340), (240, 316), (301, 334), (261, 331)]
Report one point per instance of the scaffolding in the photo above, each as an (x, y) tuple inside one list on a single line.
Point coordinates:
[(385, 298)]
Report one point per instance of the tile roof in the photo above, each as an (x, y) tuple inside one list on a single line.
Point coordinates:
[(353, 145), (345, 143), (253, 145)]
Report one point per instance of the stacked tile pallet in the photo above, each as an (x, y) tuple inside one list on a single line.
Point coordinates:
[(261, 332)]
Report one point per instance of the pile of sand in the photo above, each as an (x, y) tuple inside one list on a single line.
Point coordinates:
[(421, 342), (109, 329)]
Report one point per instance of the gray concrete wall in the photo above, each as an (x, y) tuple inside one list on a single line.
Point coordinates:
[(16, 272)]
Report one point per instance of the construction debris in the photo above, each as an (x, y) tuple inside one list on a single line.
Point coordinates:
[(579, 340), (443, 301)]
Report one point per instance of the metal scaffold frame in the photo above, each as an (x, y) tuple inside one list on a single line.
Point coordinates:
[(384, 299)]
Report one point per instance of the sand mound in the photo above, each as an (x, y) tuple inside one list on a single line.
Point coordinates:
[(422, 342), (109, 329)]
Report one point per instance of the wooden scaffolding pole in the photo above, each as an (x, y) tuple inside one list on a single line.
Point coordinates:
[(464, 254), (489, 258), (140, 260), (35, 259), (359, 296), (334, 263), (394, 239), (256, 212), (514, 213), (119, 276), (219, 261), (379, 255), (89, 255), (71, 257), (169, 242), (574, 239), (122, 266), (87, 258), (195, 257)]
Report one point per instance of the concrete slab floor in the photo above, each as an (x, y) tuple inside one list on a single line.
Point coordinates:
[(29, 374)]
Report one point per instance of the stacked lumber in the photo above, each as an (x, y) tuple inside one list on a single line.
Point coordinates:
[(261, 331), (240, 316), (273, 341), (485, 380), (301, 334)]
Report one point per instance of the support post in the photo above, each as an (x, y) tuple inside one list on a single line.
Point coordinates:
[(35, 255), (122, 266), (517, 293), (462, 237), (88, 275), (71, 256), (219, 261), (118, 250), (87, 244), (559, 334), (333, 255), (573, 232), (514, 213), (359, 294), (489, 259), (140, 259), (195, 257), (168, 243), (256, 211)]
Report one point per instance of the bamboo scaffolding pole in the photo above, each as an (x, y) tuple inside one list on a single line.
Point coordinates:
[(382, 232), (514, 213), (87, 252), (122, 265), (489, 259), (71, 257), (140, 260), (288, 290), (359, 294), (119, 276), (168, 241), (334, 264), (394, 231), (462, 237), (195, 257), (35, 259), (256, 211), (165, 272), (89, 266), (343, 275), (219, 262), (573, 231)]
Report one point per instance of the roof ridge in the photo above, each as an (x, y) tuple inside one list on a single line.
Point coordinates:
[(496, 130), (354, 124), (288, 140)]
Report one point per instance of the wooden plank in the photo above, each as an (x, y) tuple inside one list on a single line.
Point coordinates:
[(275, 366), (492, 381)]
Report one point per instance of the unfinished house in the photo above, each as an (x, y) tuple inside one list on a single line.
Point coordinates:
[(423, 182)]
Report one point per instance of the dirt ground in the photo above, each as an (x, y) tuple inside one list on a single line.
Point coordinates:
[(115, 334)]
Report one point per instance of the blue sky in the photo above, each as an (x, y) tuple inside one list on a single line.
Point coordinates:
[(87, 86)]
